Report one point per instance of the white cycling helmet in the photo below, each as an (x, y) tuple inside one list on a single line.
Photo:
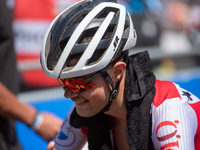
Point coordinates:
[(98, 31)]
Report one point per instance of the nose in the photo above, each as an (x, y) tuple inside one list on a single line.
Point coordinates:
[(69, 94)]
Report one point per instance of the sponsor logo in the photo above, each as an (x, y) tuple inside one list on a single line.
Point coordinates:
[(167, 136), (188, 95), (115, 44), (66, 136), (116, 41)]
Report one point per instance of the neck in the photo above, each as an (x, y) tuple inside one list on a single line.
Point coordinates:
[(118, 107)]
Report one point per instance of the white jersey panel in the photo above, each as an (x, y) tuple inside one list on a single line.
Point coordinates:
[(174, 121), (70, 138), (174, 125)]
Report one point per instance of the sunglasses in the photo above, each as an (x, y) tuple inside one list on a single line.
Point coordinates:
[(81, 84), (76, 85)]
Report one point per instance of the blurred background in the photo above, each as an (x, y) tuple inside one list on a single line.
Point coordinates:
[(168, 29)]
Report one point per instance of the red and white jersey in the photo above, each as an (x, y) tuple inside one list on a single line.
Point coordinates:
[(175, 119)]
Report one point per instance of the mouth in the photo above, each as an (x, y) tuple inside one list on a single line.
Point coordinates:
[(81, 102)]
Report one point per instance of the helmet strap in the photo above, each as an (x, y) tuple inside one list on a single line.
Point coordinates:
[(114, 91)]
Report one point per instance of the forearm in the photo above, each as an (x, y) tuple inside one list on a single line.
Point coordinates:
[(12, 108)]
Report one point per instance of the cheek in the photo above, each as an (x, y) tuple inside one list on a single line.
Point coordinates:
[(99, 95), (98, 99), (101, 91)]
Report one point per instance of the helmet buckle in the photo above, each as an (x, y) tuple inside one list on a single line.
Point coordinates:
[(113, 95)]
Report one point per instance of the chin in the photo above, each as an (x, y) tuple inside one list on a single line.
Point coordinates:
[(85, 114)]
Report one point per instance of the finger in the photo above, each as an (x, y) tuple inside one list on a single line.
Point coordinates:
[(51, 146)]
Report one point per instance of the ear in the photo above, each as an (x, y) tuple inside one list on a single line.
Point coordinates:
[(118, 70)]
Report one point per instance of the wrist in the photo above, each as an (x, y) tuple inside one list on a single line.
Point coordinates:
[(37, 121)]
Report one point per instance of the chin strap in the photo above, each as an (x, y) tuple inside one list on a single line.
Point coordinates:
[(106, 76), (114, 91)]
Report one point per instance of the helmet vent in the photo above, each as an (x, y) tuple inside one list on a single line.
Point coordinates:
[(87, 36), (106, 11), (78, 17), (96, 57)]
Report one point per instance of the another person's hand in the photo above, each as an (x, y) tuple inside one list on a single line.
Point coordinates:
[(50, 126), (51, 146)]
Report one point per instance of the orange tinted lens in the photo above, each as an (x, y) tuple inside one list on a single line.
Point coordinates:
[(62, 81), (76, 85)]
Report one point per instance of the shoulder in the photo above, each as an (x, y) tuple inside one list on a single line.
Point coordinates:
[(175, 112), (167, 90), (164, 90)]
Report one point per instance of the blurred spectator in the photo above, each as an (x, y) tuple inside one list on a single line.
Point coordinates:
[(180, 25), (146, 16), (10, 108), (195, 23), (172, 24)]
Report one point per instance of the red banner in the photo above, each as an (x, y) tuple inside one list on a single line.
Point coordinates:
[(31, 20)]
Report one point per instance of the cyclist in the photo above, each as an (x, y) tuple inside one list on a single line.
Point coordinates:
[(119, 104)]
